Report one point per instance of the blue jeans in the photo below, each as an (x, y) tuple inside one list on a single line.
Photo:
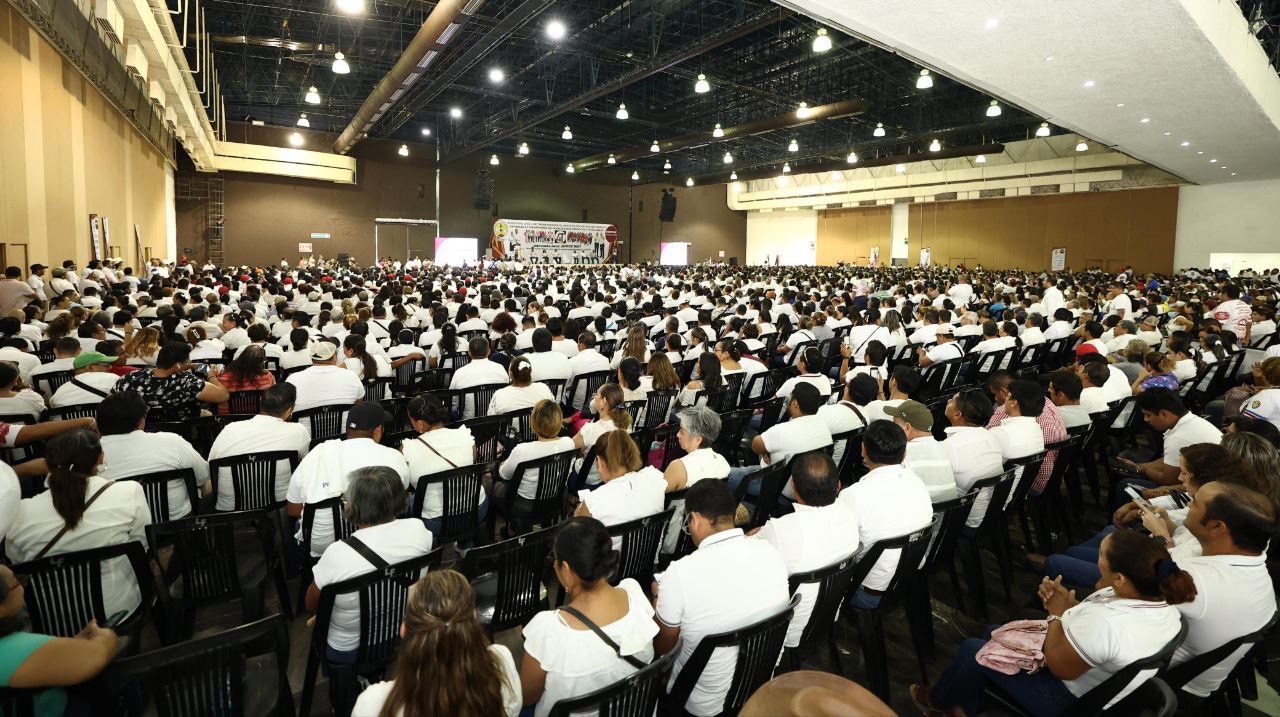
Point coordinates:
[(864, 600), (739, 473), (434, 524), (963, 684), (1078, 565)]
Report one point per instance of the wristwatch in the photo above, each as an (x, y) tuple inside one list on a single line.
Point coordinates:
[(1052, 618)]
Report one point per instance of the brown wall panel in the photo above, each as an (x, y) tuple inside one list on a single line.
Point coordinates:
[(1134, 227), (849, 234)]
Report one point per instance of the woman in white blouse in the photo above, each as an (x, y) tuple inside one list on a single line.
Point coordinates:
[(446, 663), (611, 415), (16, 401), (545, 420), (96, 513), (436, 449), (699, 428), (523, 392), (563, 656), (636, 344), (629, 488), (203, 347)]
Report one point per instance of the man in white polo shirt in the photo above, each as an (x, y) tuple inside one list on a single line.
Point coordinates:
[(1234, 592), (323, 473), (92, 382), (805, 431), (1264, 405), (888, 502), (1163, 411), (128, 450), (925, 456), (480, 371), (946, 349), (819, 533), (973, 451), (547, 364), (326, 383), (269, 431), (729, 582), (1064, 390), (587, 360)]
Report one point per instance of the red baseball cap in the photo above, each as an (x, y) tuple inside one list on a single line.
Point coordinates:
[(1086, 348)]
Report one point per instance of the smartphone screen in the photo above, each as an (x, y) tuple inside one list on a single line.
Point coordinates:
[(1138, 498)]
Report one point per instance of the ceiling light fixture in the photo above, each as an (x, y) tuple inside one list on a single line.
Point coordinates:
[(803, 111), (1233, 174), (733, 175), (879, 130), (654, 147), (493, 160), (852, 158), (935, 146), (822, 42), (524, 149), (1119, 104), (295, 139), (1049, 58), (635, 176), (1186, 144), (794, 146), (688, 182), (901, 169), (992, 23), (667, 165), (569, 169), (303, 121), (496, 75), (702, 86), (786, 168), (1082, 146), (1043, 130), (313, 96), (1200, 152), (924, 81), (993, 109), (1088, 84), (717, 132), (1145, 120), (728, 158), (1213, 161), (611, 160), (980, 159), (622, 111), (1167, 134), (556, 30), (403, 151), (426, 131), (340, 66), (351, 7), (567, 133), (455, 112)]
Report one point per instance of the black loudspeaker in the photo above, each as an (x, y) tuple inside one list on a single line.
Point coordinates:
[(733, 261), (667, 213), (484, 190)]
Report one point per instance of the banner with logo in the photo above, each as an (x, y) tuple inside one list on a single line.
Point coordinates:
[(553, 242), (875, 256), (1058, 258)]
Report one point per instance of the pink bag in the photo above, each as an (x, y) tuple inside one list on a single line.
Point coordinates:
[(1015, 647)]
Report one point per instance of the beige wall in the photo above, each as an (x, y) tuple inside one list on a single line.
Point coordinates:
[(266, 217), (849, 234), (66, 153)]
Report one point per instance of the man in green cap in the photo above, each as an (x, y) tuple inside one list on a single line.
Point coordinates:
[(93, 381), (925, 456)]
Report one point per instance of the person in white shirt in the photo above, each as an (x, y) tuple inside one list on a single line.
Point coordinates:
[(523, 392), (1061, 327), (1064, 390), (1233, 314), (545, 422), (586, 360), (946, 349), (1163, 411), (547, 364), (992, 340), (819, 533), (1148, 331), (480, 371), (729, 582), (480, 677), (1091, 334), (26, 362), (888, 502), (36, 281), (810, 358), (804, 432), (629, 489), (129, 450), (91, 383), (1130, 617), (559, 343), (323, 474), (65, 351), (849, 413), (325, 383), (95, 512), (925, 455), (699, 428), (1093, 376), (1019, 433), (563, 655), (270, 431), (860, 336), (973, 452), (297, 350), (1119, 302), (437, 449), (373, 497)]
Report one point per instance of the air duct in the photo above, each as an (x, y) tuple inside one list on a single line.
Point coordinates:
[(413, 60)]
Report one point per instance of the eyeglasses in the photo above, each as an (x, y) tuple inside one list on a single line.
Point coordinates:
[(684, 526)]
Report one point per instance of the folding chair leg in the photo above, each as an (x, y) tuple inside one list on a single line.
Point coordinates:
[(955, 583), (871, 635), (970, 552), (1003, 549), (309, 682)]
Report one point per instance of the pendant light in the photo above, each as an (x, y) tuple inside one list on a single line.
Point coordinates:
[(524, 149), (980, 159), (493, 160), (567, 133), (728, 158), (822, 42), (635, 176), (667, 165), (403, 151), (688, 182), (803, 111), (793, 147), (569, 169), (1043, 130), (993, 109), (879, 130), (611, 160), (786, 168), (303, 121), (718, 131), (733, 175), (702, 86), (924, 81), (935, 146), (852, 158), (313, 96), (654, 147), (622, 112), (340, 66)]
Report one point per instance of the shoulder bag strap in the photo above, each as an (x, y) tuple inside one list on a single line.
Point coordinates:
[(433, 450), (86, 387), (631, 659), (853, 407), (54, 541), (366, 552)]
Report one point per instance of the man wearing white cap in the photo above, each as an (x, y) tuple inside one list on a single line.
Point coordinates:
[(325, 383), (945, 350)]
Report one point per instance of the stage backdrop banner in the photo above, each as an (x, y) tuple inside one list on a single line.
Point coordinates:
[(554, 242)]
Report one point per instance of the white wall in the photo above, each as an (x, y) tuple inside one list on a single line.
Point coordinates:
[(1239, 217), (792, 236)]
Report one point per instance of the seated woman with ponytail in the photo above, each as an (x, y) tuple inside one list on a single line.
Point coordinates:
[(629, 489), (1130, 617), (446, 665), (611, 415), (564, 657), (81, 511)]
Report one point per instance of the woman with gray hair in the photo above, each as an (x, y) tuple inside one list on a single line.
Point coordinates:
[(699, 428), (374, 497)]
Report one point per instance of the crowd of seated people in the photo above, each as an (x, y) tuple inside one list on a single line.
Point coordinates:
[(790, 419)]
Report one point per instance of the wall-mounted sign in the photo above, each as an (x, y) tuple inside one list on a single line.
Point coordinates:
[(304, 247), (95, 235), (320, 235), (1058, 259)]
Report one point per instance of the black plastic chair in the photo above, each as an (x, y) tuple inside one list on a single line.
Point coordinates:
[(546, 508), (1028, 467), (381, 594), (583, 386), (324, 422), (772, 479), (461, 489), (48, 382), (155, 486), (378, 387), (476, 400), (199, 431), (1049, 509), (759, 387), (215, 676), (333, 507), (835, 583), (1094, 701), (254, 477), (733, 427), (948, 519), (657, 408), (405, 373), (507, 579), (207, 568), (641, 540), (1222, 700), (636, 695), (759, 645), (913, 547), (79, 410), (64, 591), (244, 403), (850, 463), (556, 386)]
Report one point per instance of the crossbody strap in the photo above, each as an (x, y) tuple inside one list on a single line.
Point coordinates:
[(86, 387), (853, 407), (366, 552), (631, 659), (431, 448), (54, 541)]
